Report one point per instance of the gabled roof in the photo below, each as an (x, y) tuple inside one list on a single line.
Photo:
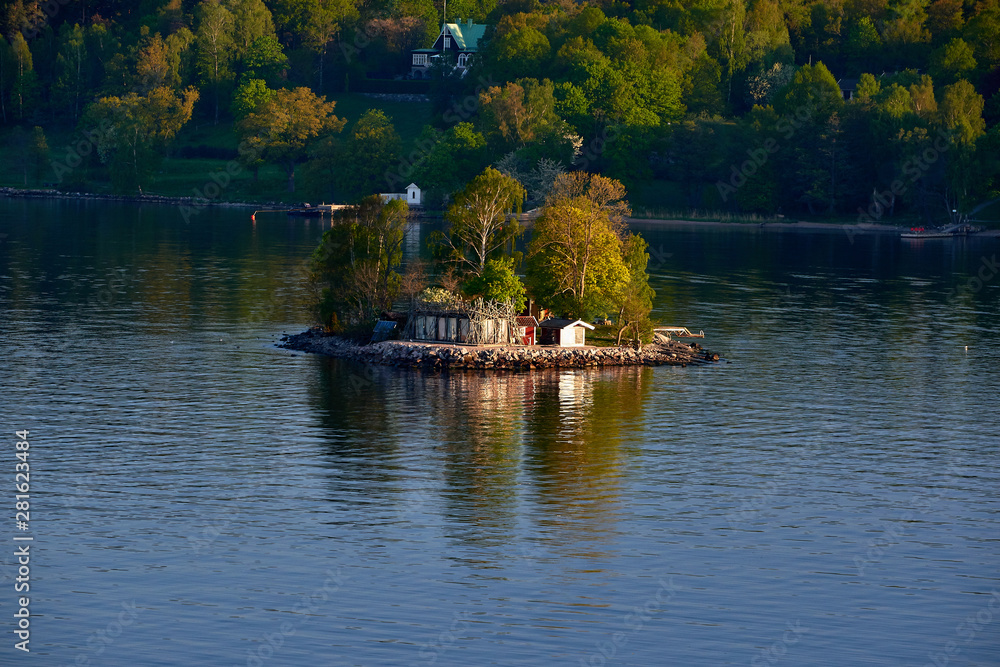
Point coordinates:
[(526, 321), (466, 36), (560, 323)]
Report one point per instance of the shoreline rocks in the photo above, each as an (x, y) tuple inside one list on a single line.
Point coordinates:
[(440, 356)]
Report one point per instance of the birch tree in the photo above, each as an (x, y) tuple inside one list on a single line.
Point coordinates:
[(482, 221)]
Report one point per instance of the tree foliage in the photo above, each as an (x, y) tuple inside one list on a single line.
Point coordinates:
[(575, 262), (499, 283), (615, 88), (481, 221), (140, 126), (370, 150), (634, 299), (281, 128), (354, 268)]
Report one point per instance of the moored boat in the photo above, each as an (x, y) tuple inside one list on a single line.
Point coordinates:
[(948, 232), (306, 210)]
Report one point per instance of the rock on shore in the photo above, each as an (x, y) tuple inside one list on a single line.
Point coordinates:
[(511, 357)]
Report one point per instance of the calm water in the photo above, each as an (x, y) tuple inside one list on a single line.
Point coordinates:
[(199, 497)]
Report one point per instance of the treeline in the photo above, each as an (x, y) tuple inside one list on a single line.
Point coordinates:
[(760, 106), (738, 104)]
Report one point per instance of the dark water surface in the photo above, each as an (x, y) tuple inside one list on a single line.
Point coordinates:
[(199, 497)]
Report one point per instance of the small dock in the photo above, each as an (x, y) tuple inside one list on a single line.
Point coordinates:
[(305, 210), (677, 332)]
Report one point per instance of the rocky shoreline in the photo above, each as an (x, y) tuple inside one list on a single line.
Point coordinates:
[(440, 356)]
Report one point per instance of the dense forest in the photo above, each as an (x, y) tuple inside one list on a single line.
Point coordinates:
[(849, 108)]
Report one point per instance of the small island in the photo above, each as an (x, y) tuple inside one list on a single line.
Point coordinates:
[(470, 307), (442, 356)]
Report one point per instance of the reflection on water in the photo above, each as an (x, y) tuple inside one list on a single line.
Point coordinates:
[(838, 477), (557, 438)]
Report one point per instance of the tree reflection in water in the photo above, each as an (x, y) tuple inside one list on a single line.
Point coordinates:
[(485, 453)]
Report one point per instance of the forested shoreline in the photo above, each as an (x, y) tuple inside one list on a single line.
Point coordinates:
[(855, 109)]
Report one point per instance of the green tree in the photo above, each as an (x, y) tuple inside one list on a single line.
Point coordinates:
[(961, 112), (251, 21), (983, 32), (315, 24), (24, 82), (453, 155), (730, 44), (813, 91), (952, 61), (321, 171), (281, 128), (634, 300), (72, 65), (325, 20), (265, 59), (499, 283), (481, 220), (520, 113), (141, 126), (516, 49), (863, 43), (371, 149), (575, 263), (214, 41), (866, 90), (249, 96), (702, 86), (945, 19), (354, 268), (521, 117), (8, 71), (152, 65), (904, 29), (162, 62)]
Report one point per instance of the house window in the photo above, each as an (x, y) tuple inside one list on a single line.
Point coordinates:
[(447, 42), (419, 58), (463, 58)]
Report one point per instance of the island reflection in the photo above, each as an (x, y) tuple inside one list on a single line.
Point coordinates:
[(485, 447)]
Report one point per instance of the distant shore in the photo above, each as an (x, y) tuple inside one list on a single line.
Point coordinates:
[(443, 355), (786, 225), (46, 193), (775, 224), (195, 202)]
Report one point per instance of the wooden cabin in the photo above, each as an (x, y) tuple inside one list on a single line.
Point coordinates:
[(563, 332)]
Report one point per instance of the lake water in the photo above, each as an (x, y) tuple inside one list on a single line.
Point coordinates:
[(200, 497)]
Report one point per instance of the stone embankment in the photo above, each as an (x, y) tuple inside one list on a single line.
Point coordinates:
[(512, 357)]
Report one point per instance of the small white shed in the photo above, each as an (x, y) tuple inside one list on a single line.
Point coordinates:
[(563, 332), (413, 195)]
